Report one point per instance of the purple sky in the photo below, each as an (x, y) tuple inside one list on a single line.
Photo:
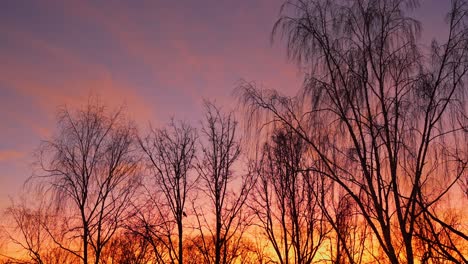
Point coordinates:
[(160, 58)]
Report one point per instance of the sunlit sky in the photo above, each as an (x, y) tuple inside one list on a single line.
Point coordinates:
[(160, 58)]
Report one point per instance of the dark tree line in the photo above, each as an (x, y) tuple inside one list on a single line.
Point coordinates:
[(367, 164)]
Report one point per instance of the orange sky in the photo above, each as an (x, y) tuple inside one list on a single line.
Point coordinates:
[(161, 58)]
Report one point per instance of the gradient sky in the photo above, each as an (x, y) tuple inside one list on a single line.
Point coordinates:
[(159, 58)]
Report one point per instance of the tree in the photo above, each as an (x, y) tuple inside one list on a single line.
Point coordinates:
[(27, 228), (237, 251), (287, 199), (382, 115), (26, 232), (152, 223), (128, 247), (221, 151), (90, 174), (170, 153)]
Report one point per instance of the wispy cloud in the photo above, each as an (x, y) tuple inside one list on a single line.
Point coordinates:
[(7, 155)]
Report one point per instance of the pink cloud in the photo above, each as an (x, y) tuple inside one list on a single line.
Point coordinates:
[(80, 80), (6, 155)]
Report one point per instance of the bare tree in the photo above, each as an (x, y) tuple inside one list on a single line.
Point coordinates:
[(287, 199), (24, 228), (91, 170), (350, 239), (25, 231), (225, 190), (151, 222), (382, 114), (170, 153), (128, 247)]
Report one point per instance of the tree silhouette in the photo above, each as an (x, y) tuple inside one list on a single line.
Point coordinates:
[(382, 114), (90, 169), (225, 191), (170, 153), (31, 238), (286, 199)]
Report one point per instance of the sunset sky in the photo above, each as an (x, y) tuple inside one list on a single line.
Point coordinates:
[(159, 58)]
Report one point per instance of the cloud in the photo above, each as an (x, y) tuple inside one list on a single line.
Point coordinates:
[(78, 79), (7, 155)]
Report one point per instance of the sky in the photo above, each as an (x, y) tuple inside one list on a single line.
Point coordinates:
[(159, 58)]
